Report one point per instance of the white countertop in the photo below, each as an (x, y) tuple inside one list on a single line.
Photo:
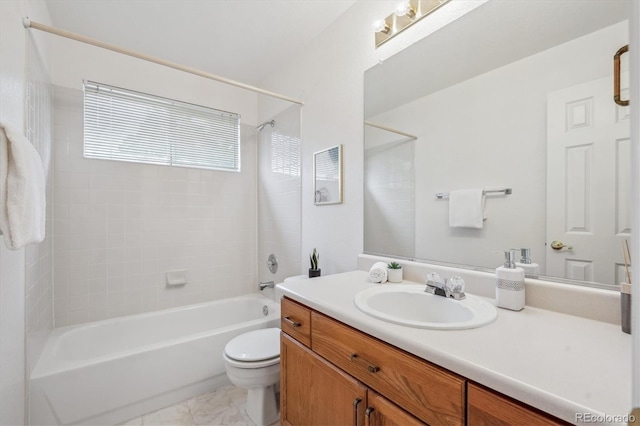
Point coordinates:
[(559, 363)]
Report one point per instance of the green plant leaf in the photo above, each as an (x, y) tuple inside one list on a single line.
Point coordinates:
[(394, 265)]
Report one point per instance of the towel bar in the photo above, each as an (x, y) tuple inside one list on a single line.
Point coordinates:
[(505, 191)]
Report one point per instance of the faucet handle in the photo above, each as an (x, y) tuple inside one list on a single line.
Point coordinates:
[(436, 285), (455, 285), (434, 279)]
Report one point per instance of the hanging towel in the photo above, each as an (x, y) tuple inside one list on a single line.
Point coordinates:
[(466, 208), (378, 273), (22, 191)]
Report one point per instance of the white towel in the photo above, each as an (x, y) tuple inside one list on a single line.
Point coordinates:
[(378, 273), (22, 191), (466, 208)]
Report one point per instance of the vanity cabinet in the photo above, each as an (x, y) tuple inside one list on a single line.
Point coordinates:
[(334, 374), (329, 372)]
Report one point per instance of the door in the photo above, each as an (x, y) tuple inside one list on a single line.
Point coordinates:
[(314, 392), (588, 182)]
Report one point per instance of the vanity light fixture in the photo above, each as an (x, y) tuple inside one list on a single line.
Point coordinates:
[(407, 13)]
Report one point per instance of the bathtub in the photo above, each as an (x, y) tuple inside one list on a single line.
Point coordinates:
[(109, 371)]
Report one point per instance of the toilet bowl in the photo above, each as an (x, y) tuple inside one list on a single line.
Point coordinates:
[(252, 361)]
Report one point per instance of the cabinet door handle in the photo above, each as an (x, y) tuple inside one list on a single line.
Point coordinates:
[(370, 367), (291, 322), (355, 410), (368, 411)]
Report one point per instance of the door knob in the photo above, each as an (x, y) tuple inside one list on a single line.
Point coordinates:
[(559, 245)]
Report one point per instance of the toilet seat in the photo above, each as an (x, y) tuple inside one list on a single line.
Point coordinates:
[(254, 349), (250, 364)]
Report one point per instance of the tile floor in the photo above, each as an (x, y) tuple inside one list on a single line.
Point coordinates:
[(223, 406)]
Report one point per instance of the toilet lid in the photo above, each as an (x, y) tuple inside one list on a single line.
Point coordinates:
[(256, 345)]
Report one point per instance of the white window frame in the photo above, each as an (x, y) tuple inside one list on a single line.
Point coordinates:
[(126, 125)]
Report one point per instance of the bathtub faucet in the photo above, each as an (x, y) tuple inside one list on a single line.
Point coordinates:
[(268, 284)]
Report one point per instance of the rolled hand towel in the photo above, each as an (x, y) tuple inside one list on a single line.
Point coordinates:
[(378, 273)]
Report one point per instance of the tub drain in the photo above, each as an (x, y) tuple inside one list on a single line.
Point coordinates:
[(265, 310)]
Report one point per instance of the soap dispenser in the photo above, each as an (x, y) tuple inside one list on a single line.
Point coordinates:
[(510, 284), (530, 269)]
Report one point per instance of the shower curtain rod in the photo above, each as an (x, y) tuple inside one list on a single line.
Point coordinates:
[(389, 129), (27, 23)]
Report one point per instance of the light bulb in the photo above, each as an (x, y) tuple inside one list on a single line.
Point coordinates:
[(405, 8), (381, 26)]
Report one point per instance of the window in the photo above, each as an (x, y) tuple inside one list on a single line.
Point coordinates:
[(124, 125), (285, 154)]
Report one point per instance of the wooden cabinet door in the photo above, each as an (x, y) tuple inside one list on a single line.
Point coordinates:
[(382, 412), (314, 392)]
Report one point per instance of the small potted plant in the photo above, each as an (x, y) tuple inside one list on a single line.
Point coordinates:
[(314, 257), (394, 272)]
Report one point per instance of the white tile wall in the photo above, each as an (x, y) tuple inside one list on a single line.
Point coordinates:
[(39, 257), (13, 289), (279, 181), (120, 226), (389, 196)]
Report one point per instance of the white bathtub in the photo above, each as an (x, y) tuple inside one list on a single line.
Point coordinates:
[(110, 371)]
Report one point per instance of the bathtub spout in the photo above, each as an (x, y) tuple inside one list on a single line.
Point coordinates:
[(268, 284)]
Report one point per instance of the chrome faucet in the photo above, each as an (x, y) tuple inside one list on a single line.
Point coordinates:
[(268, 284), (454, 287), (439, 289)]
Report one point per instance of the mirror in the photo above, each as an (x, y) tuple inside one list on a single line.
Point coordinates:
[(327, 176), (512, 95)]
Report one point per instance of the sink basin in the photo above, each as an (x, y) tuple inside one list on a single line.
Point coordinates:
[(408, 304)]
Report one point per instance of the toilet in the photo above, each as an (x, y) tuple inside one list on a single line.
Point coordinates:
[(252, 360)]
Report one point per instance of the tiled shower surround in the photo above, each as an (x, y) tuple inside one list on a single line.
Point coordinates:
[(279, 176), (39, 257), (119, 227)]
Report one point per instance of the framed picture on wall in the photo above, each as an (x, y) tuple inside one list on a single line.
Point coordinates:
[(327, 176)]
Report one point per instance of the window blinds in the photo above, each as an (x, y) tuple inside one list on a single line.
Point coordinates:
[(124, 125)]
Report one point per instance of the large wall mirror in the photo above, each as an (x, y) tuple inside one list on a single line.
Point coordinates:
[(515, 94)]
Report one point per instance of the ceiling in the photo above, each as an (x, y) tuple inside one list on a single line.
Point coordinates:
[(244, 40)]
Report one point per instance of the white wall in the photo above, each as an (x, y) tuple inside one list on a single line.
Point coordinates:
[(328, 76), (73, 62), (12, 263)]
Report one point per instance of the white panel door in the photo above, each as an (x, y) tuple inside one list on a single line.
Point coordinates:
[(588, 182)]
